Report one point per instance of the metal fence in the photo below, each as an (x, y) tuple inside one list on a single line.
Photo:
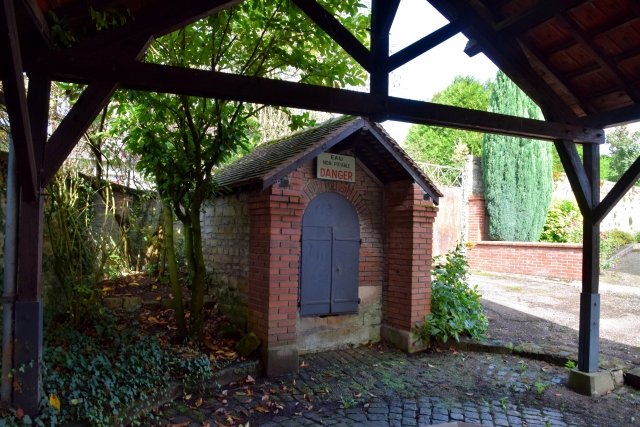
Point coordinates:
[(443, 175)]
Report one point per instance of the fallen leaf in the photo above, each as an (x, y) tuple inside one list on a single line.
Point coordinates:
[(54, 401), (293, 382), (438, 350), (306, 396), (366, 405), (219, 411), (250, 379), (430, 365), (298, 414), (186, 423), (225, 392), (20, 413), (469, 394), (558, 394), (198, 402), (159, 299), (261, 409), (303, 364), (205, 424), (74, 402), (357, 396)]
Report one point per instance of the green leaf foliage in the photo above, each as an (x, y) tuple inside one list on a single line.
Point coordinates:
[(455, 305), (180, 140), (445, 146), (624, 148), (104, 375), (563, 223), (517, 171)]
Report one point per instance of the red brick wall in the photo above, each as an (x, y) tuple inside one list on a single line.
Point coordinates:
[(557, 260), (409, 221), (274, 248)]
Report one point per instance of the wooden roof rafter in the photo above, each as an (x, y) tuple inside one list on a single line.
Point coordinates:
[(600, 57)]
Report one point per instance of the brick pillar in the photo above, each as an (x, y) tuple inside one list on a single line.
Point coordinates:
[(275, 219), (478, 220), (409, 221)]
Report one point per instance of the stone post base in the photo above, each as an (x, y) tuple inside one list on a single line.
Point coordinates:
[(400, 339), (591, 383), (282, 360)]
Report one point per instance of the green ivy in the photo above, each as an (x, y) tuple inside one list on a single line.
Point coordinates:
[(455, 305), (102, 375)]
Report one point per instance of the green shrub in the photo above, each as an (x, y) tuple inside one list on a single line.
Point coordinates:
[(621, 237), (563, 223), (102, 374), (455, 306)]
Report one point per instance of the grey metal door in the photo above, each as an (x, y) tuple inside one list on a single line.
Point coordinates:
[(330, 256)]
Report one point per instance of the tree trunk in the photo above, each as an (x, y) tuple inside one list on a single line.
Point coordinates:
[(176, 290), (198, 284), (188, 245)]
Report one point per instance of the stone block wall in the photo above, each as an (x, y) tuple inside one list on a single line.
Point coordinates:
[(225, 241)]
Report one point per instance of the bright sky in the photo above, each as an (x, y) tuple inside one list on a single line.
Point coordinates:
[(432, 72)]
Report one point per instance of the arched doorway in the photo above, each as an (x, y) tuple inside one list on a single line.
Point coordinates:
[(330, 257)]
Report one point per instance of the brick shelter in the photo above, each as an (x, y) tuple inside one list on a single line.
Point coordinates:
[(323, 241)]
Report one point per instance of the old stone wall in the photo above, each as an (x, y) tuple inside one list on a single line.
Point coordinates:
[(225, 244)]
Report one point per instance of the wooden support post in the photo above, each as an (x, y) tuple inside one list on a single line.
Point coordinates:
[(28, 308), (379, 49), (588, 342)]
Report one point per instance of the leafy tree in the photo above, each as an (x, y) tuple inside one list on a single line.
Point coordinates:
[(516, 171), (180, 139), (445, 146), (625, 149)]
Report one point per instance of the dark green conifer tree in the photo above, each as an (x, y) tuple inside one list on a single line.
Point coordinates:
[(517, 171)]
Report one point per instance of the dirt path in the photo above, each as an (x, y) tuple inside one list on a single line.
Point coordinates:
[(545, 312)]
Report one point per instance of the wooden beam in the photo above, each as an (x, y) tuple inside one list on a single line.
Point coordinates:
[(557, 77), (390, 14), (193, 82), (73, 126), (38, 104), (617, 117), (605, 62), (508, 55), (576, 174), (330, 25), (425, 44), (379, 79), (161, 21), (16, 101), (600, 31), (535, 15), (589, 336), (39, 24), (624, 184)]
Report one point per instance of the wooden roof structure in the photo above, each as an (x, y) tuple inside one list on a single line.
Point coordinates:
[(577, 59), (381, 156)]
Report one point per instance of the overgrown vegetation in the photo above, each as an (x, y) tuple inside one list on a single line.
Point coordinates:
[(103, 373), (563, 223), (455, 305)]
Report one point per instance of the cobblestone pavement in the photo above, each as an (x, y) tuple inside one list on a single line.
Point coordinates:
[(379, 387)]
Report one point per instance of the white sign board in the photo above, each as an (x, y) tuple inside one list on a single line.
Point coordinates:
[(336, 167)]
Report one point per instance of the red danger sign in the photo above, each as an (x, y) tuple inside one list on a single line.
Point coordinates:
[(336, 167)]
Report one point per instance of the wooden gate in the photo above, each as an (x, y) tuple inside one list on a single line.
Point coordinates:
[(330, 257)]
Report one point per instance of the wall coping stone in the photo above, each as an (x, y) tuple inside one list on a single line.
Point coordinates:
[(530, 244)]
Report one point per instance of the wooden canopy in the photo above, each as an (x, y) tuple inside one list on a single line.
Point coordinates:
[(577, 59)]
